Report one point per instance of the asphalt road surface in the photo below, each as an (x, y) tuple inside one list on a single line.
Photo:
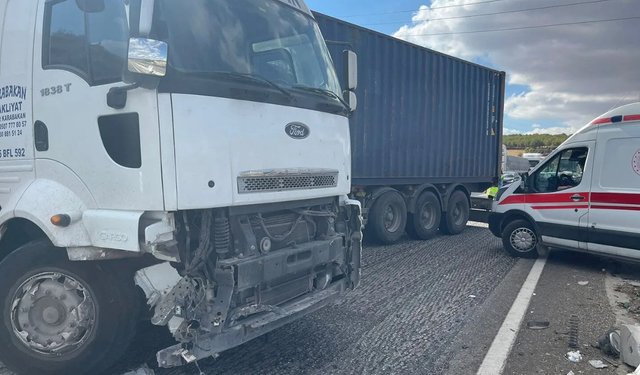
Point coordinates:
[(424, 307), (416, 301)]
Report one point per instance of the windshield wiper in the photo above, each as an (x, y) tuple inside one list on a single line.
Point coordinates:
[(324, 92), (257, 78)]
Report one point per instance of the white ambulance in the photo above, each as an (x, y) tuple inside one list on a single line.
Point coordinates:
[(585, 196)]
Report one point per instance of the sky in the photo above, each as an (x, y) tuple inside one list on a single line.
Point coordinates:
[(558, 78)]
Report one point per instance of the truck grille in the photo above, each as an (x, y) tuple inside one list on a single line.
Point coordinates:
[(256, 182)]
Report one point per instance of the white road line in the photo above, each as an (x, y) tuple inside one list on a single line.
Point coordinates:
[(496, 358)]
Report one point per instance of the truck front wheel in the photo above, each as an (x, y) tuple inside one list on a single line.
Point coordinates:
[(388, 218), (58, 316), (423, 224), (520, 239), (454, 221)]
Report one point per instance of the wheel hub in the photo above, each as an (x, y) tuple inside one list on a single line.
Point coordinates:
[(427, 216), (523, 239), (52, 313), (392, 218)]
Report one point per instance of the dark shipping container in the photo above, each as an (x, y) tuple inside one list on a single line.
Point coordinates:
[(423, 116)]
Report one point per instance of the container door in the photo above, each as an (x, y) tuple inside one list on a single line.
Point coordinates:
[(615, 192), (79, 55), (559, 196)]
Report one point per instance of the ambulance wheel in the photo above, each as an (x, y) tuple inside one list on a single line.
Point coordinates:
[(520, 239), (388, 218), (423, 223), (454, 221), (61, 317)]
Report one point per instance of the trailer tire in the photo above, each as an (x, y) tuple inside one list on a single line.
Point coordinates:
[(520, 239), (454, 221), (423, 223), (40, 292), (388, 218)]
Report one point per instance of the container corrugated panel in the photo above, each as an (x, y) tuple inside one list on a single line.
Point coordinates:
[(422, 116)]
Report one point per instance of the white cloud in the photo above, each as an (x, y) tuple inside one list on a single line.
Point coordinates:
[(536, 126), (575, 73), (553, 130), (507, 131)]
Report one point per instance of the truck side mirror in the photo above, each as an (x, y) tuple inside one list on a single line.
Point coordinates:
[(352, 99), (351, 70), (146, 17), (147, 56), (141, 17)]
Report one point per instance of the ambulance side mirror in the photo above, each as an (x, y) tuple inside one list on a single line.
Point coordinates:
[(148, 57)]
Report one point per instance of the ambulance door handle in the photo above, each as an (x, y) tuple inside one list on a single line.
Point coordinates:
[(41, 136), (578, 197)]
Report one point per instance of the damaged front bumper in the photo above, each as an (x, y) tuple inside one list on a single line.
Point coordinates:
[(249, 328), (248, 296)]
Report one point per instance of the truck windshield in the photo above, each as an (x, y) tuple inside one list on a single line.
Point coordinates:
[(259, 37)]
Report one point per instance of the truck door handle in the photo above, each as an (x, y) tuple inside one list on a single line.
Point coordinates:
[(41, 136), (578, 197)]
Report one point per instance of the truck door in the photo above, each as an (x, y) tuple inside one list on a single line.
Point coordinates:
[(79, 55), (615, 192), (560, 196)]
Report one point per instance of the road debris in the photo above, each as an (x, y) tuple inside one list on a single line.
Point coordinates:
[(630, 345), (596, 363), (538, 325), (570, 373), (633, 304), (573, 331), (609, 343), (472, 296), (583, 283), (574, 356)]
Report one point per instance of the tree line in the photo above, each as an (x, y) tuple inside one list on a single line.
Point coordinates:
[(542, 143)]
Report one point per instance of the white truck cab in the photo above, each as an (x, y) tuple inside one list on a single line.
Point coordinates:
[(198, 149), (585, 196)]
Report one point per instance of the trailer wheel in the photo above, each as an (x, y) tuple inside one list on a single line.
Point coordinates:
[(58, 316), (388, 218), (454, 221), (423, 224), (520, 239)]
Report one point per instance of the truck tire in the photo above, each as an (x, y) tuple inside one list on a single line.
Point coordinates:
[(520, 239), (454, 221), (423, 224), (388, 218), (40, 291)]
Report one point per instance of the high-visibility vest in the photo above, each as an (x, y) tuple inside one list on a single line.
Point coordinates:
[(492, 191)]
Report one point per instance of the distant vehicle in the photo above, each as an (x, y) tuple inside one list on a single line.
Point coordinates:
[(585, 196), (533, 158), (514, 163), (509, 177)]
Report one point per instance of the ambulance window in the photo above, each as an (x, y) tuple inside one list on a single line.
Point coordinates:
[(563, 172), (90, 44)]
